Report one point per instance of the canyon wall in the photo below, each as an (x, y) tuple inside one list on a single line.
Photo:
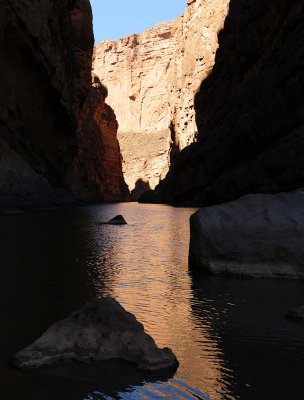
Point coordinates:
[(152, 78), (45, 79), (249, 110)]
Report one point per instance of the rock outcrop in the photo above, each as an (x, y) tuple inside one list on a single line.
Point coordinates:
[(100, 330), (96, 172), (45, 91), (152, 78), (46, 52), (259, 235), (249, 110)]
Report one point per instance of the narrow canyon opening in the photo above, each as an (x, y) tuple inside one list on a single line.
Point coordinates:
[(152, 78)]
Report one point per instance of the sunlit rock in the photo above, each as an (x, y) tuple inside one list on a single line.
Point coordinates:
[(256, 235), (152, 78), (100, 330)]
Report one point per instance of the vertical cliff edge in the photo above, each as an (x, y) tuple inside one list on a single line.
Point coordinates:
[(249, 110), (45, 79)]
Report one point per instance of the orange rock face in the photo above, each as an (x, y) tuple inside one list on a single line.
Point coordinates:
[(96, 173), (152, 78)]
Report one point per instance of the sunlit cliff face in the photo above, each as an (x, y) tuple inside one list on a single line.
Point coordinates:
[(152, 78)]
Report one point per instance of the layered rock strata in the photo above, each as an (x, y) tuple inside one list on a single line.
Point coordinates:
[(249, 110), (100, 330), (152, 78), (259, 235), (45, 87)]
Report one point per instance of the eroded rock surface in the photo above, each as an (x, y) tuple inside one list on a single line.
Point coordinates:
[(256, 235), (96, 172), (100, 330), (52, 137), (152, 78), (249, 110), (45, 60)]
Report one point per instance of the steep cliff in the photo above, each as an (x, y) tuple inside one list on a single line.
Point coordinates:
[(96, 172), (249, 110), (46, 52), (152, 78)]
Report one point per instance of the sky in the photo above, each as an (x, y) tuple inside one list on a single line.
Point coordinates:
[(114, 19)]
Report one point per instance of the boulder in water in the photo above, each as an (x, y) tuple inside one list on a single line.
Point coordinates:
[(118, 220), (100, 330), (258, 235)]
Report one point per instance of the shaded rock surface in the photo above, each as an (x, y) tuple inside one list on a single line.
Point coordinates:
[(118, 220), (56, 131), (249, 110), (100, 330), (46, 52), (152, 78), (296, 314), (256, 235)]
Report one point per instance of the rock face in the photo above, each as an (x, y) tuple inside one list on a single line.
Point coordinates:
[(152, 78), (45, 87), (46, 51), (100, 330), (96, 172), (296, 314), (249, 110), (257, 235)]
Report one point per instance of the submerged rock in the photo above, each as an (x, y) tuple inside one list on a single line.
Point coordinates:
[(100, 330), (118, 220), (256, 235), (296, 314)]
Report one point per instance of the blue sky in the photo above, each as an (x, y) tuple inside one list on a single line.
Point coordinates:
[(114, 19)]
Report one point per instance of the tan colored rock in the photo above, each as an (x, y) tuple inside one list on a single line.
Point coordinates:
[(152, 78)]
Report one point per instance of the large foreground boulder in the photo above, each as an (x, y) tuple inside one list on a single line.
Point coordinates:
[(100, 330), (256, 235)]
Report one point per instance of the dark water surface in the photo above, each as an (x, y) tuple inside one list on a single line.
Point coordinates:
[(229, 335)]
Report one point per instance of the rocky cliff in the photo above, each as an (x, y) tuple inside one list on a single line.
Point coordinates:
[(152, 78), (45, 78), (249, 110), (95, 174)]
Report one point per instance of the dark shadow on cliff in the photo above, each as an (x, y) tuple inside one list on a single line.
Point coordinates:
[(249, 110), (141, 187)]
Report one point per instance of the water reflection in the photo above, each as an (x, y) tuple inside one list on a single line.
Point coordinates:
[(150, 278), (229, 335)]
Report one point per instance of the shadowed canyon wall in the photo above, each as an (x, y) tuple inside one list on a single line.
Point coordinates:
[(152, 78), (249, 110), (45, 81)]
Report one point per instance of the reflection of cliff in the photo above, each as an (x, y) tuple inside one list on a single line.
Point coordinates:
[(144, 266), (152, 78), (249, 110)]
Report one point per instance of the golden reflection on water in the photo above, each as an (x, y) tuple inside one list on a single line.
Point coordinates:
[(144, 266)]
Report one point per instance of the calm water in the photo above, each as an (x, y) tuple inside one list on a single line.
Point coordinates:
[(229, 335)]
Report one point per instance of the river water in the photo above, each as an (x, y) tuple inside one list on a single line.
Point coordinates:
[(230, 335)]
